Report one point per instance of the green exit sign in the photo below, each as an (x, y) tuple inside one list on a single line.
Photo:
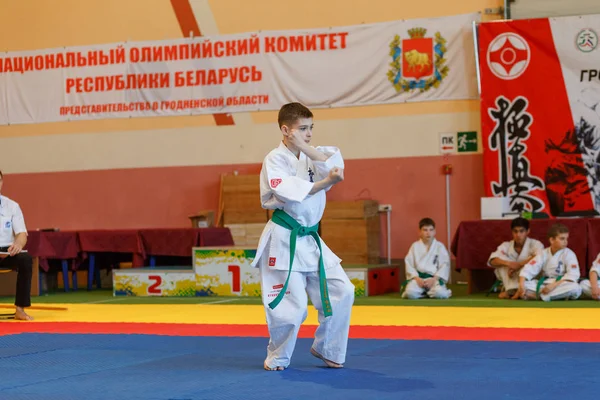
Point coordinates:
[(466, 142)]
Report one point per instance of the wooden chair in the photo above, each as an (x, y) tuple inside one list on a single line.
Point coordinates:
[(11, 315)]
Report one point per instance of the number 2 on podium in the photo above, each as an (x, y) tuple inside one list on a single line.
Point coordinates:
[(236, 285), (154, 288)]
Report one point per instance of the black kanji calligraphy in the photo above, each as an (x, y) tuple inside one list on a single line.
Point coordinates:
[(508, 138)]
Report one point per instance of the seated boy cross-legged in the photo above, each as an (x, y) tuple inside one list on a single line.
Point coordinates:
[(591, 287), (510, 257), (427, 265), (559, 270)]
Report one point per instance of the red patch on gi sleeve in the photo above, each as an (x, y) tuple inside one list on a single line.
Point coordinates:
[(280, 286), (532, 262), (574, 266), (272, 261), (275, 182)]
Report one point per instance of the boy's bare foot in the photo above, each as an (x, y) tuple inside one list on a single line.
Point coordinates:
[(329, 363), (21, 315), (530, 296), (503, 295), (267, 368)]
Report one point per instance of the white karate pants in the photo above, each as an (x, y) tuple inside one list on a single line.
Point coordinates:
[(331, 337), (586, 287), (508, 282), (414, 291), (566, 290)]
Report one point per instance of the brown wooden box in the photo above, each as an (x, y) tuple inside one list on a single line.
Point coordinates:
[(352, 230), (241, 200), (203, 219), (246, 234), (359, 209)]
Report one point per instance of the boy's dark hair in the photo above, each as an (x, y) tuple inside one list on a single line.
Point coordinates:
[(519, 222), (1, 176), (426, 222), (292, 112), (556, 230)]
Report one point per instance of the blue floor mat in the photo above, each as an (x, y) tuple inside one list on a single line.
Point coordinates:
[(148, 367)]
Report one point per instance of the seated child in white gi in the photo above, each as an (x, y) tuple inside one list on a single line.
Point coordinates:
[(510, 257), (591, 287), (559, 270), (427, 265)]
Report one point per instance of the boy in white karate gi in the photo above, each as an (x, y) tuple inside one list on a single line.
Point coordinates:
[(427, 265), (559, 267), (510, 257), (591, 287), (293, 261)]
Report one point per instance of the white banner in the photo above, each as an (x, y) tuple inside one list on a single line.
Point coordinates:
[(392, 62)]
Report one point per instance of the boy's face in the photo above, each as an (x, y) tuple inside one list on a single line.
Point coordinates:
[(427, 233), (303, 127), (520, 234), (559, 242)]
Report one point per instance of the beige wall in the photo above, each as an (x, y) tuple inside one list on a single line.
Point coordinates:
[(394, 130)]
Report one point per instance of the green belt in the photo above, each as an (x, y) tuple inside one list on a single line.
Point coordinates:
[(541, 281), (282, 219), (422, 275)]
